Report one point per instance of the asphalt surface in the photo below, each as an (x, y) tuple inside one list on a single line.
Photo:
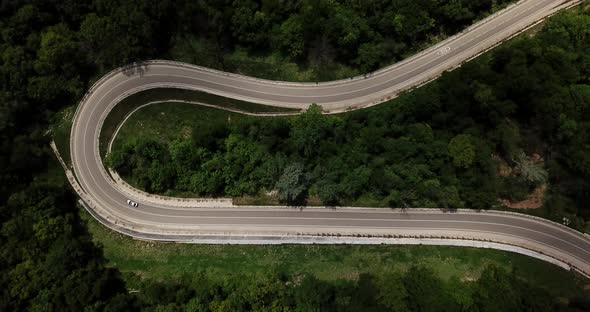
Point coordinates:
[(180, 223)]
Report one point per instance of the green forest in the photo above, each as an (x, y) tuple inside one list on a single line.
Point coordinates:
[(502, 126), (314, 40), (51, 51)]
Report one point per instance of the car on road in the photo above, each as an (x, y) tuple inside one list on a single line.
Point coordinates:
[(132, 203)]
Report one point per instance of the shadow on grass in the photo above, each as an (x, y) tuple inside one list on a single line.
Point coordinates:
[(122, 109)]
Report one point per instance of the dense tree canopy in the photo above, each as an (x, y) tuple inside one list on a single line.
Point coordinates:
[(321, 35), (497, 128)]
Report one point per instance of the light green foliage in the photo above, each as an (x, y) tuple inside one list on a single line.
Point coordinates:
[(532, 172), (292, 184), (57, 44), (462, 151)]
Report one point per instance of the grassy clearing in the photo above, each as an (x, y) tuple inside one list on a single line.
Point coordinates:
[(139, 260), (61, 126), (167, 122), (55, 174), (121, 110)]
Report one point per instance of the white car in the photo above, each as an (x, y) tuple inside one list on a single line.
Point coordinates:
[(132, 203)]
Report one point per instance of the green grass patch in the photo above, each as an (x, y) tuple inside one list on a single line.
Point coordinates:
[(121, 110), (167, 122), (54, 174), (61, 126), (139, 260)]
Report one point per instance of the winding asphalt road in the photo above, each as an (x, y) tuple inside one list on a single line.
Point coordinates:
[(158, 220)]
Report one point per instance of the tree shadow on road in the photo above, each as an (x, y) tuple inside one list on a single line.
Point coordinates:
[(135, 69)]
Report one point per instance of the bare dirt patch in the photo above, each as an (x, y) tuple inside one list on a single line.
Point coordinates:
[(468, 278), (533, 201), (503, 170)]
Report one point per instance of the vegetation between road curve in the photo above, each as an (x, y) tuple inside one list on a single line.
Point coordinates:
[(143, 260), (51, 52), (128, 104), (469, 139)]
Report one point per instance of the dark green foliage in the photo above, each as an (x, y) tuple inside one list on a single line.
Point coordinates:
[(309, 129), (319, 35), (48, 260), (425, 292), (209, 137), (501, 291), (53, 50), (50, 51), (438, 146), (416, 290)]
